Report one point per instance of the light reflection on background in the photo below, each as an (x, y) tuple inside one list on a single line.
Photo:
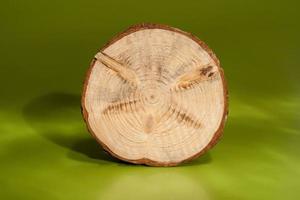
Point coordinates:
[(154, 185)]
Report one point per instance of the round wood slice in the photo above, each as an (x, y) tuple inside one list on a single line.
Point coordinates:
[(155, 95)]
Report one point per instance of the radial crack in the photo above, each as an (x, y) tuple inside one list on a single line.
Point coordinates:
[(121, 70), (126, 106), (189, 79), (182, 116)]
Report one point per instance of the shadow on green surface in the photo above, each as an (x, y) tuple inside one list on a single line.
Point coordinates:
[(90, 148), (57, 117)]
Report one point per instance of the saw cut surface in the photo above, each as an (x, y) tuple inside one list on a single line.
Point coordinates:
[(155, 95)]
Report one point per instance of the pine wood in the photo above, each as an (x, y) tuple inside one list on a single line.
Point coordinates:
[(155, 95)]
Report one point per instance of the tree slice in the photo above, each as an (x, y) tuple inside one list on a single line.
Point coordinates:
[(155, 95)]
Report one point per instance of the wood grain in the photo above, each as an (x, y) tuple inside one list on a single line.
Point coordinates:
[(155, 95)]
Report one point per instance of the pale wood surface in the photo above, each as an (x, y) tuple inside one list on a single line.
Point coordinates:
[(155, 96)]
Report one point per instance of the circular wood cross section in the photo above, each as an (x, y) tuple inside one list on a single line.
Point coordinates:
[(155, 95)]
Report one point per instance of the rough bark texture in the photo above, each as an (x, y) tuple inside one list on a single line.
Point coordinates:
[(155, 95)]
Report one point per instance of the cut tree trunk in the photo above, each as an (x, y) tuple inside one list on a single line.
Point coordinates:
[(155, 95)]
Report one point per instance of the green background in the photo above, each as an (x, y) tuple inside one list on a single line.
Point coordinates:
[(46, 151)]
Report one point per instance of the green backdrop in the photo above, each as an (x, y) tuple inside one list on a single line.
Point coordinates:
[(46, 151)]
